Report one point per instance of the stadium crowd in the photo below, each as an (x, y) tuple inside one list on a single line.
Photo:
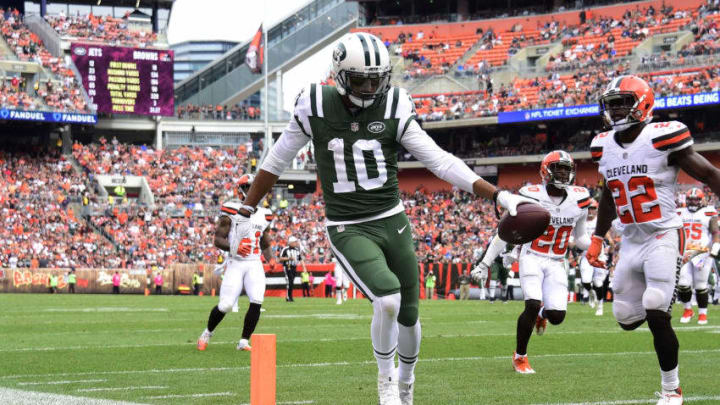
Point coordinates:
[(582, 87), (39, 191), (103, 29), (218, 112), (39, 227), (61, 93)]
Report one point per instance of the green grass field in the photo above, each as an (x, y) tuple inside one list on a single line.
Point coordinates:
[(142, 349)]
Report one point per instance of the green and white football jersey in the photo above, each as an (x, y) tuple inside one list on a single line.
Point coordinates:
[(356, 154)]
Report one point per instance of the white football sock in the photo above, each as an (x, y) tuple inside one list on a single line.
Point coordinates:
[(688, 305), (491, 294), (482, 289), (384, 331), (702, 311), (408, 350), (670, 379)]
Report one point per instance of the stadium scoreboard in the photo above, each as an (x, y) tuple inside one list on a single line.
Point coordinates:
[(122, 80)]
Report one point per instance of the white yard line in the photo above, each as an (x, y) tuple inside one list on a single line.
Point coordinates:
[(631, 401), (146, 387), (711, 329), (61, 382), (9, 396), (211, 394), (345, 363)]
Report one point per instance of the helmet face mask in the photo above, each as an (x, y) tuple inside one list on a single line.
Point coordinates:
[(244, 184), (558, 169), (363, 89), (626, 102), (361, 69), (694, 199)]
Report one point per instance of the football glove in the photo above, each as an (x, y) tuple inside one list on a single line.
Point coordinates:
[(594, 252), (509, 201), (715, 249), (480, 272)]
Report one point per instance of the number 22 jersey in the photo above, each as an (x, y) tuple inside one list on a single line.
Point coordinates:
[(640, 178)]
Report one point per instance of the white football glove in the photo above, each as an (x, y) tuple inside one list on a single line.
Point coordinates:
[(715, 249), (480, 272), (510, 201)]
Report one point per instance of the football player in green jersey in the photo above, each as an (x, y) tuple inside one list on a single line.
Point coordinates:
[(357, 129)]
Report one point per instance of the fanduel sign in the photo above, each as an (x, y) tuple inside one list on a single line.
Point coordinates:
[(44, 116)]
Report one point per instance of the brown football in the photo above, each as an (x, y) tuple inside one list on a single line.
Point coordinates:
[(530, 222)]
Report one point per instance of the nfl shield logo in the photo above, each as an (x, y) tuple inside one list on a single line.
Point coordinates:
[(354, 126), (625, 155)]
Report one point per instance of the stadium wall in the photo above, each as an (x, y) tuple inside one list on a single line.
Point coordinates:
[(517, 175), (501, 25), (178, 279)]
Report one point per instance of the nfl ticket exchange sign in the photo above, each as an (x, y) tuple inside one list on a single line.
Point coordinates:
[(126, 80)]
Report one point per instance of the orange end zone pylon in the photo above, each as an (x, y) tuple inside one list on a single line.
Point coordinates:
[(262, 370)]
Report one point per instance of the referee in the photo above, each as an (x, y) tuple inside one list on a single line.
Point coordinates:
[(290, 256)]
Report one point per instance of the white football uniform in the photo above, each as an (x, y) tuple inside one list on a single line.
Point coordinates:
[(588, 273), (341, 279), (244, 269), (696, 271), (542, 262), (643, 186)]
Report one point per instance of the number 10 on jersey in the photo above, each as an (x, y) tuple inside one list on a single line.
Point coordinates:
[(346, 185)]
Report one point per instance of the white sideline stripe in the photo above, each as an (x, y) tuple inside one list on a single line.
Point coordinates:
[(342, 363), (147, 387), (710, 329), (211, 394), (61, 382), (632, 401), (9, 396)]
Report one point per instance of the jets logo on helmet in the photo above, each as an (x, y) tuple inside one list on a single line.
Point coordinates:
[(694, 199), (627, 101), (557, 169), (361, 68)]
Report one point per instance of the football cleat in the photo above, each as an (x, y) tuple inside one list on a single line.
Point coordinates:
[(339, 299), (203, 340), (702, 319), (540, 326), (687, 315), (670, 397), (244, 345), (406, 393), (599, 310), (388, 390), (521, 364)]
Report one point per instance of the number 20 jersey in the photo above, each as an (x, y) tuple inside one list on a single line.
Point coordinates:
[(640, 179), (564, 216)]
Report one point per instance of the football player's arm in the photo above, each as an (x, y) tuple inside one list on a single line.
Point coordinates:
[(453, 170), (697, 167), (606, 213), (222, 230), (715, 232), (265, 245), (277, 160), (493, 250), (582, 239)]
